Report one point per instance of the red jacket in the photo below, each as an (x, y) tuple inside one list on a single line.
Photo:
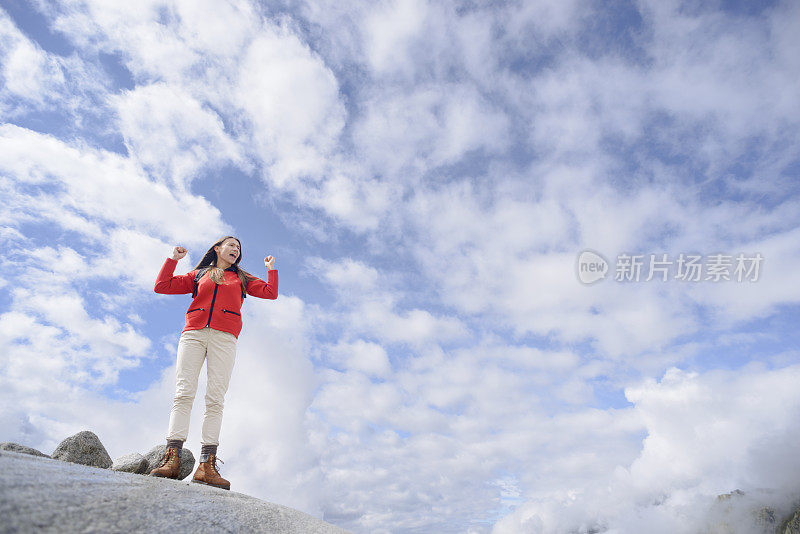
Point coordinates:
[(217, 306)]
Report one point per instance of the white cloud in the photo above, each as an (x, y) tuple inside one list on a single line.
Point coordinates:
[(129, 247), (443, 427), (370, 306), (26, 71), (514, 259), (89, 185), (198, 66), (206, 64), (714, 64), (149, 47), (714, 415), (700, 443), (389, 31), (413, 326), (346, 275), (171, 134), (85, 348), (431, 126), (363, 356), (292, 102), (359, 203), (216, 28), (739, 301), (122, 248), (53, 333)]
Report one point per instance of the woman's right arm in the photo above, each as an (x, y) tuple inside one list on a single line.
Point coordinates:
[(174, 285)]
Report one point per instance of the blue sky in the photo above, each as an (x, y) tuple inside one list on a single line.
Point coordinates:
[(426, 174)]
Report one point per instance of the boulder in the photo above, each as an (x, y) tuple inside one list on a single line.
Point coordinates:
[(132, 463), (16, 447), (40, 495), (83, 448), (156, 454)]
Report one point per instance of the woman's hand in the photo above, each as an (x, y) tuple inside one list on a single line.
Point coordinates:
[(269, 262), (178, 253)]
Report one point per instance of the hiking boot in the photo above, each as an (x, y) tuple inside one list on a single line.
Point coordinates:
[(170, 465), (207, 473)]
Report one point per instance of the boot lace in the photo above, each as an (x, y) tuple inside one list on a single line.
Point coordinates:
[(212, 460), (167, 455)]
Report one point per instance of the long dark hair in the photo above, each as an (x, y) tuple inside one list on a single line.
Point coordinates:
[(210, 260)]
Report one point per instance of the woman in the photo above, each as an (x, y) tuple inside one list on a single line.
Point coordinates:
[(213, 323)]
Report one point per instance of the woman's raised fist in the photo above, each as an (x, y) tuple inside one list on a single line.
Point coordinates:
[(178, 253)]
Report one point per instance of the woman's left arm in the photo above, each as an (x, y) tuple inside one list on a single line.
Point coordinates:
[(265, 290)]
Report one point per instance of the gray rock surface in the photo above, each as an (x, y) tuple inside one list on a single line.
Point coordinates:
[(83, 448), (131, 463), (43, 495), (156, 454), (16, 447), (791, 525)]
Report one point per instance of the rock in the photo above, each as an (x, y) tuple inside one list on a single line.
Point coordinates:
[(728, 496), (761, 511), (156, 454), (83, 448), (791, 525), (764, 518), (45, 496), (132, 463), (16, 447)]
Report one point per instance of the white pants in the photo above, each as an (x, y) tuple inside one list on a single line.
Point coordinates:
[(195, 346)]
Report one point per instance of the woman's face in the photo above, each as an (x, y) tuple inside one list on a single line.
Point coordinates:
[(228, 250)]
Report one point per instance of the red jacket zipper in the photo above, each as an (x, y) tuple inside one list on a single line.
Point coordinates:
[(211, 310)]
